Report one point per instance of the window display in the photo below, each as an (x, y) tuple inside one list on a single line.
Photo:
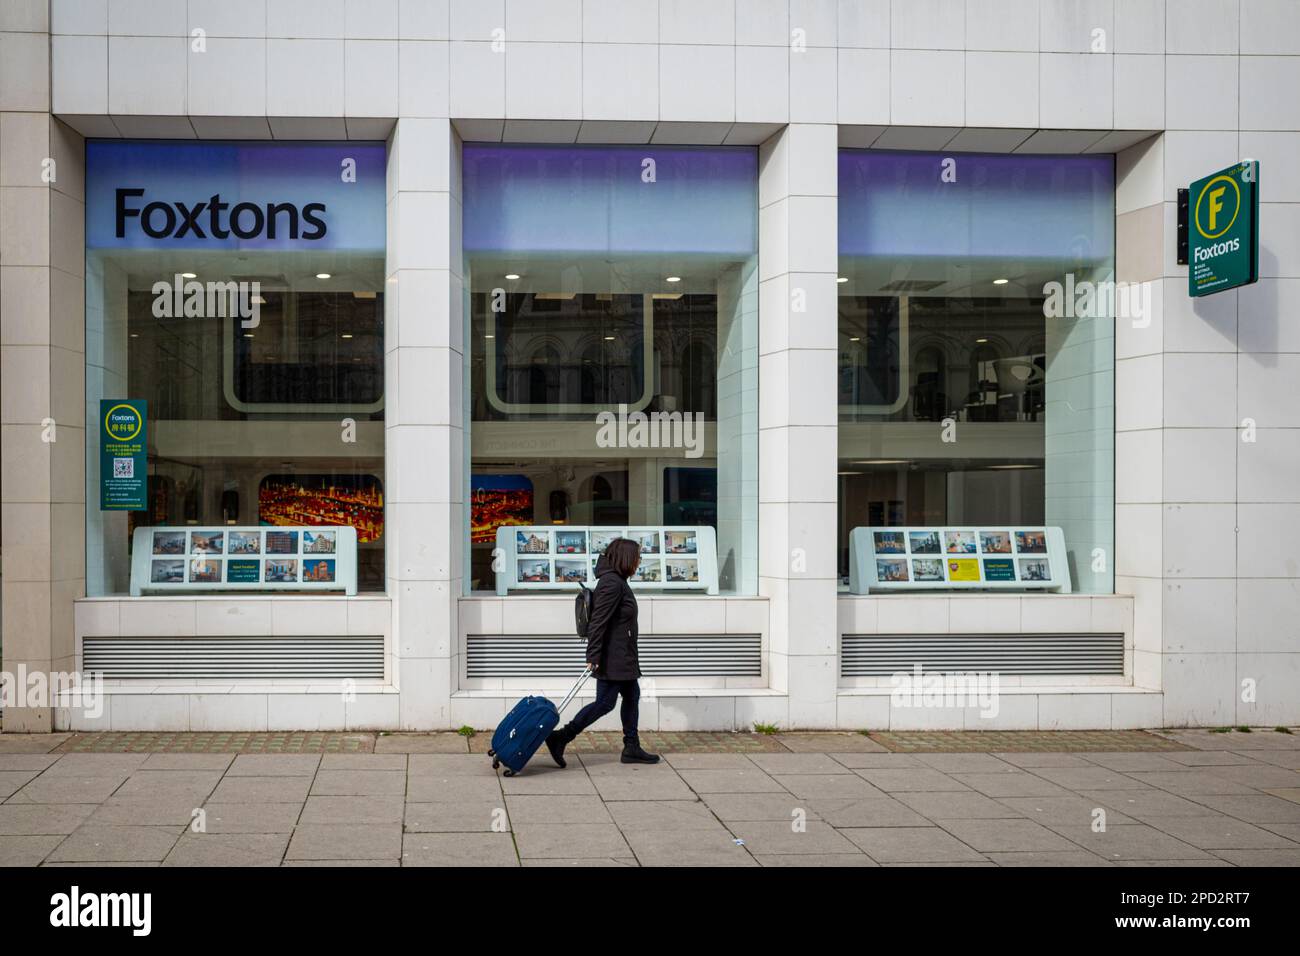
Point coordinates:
[(965, 396), (243, 559), (908, 559), (672, 559), (612, 325), (253, 328)]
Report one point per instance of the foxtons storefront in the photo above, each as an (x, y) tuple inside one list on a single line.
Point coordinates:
[(340, 392)]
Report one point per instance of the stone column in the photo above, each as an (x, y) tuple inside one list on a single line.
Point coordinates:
[(42, 380), (798, 420), (424, 423)]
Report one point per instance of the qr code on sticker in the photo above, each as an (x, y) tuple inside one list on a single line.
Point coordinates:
[(123, 467)]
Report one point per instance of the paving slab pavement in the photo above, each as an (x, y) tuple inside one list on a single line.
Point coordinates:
[(1190, 798)]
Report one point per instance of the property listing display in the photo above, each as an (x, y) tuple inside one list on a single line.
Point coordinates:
[(244, 559), (563, 556), (985, 557)]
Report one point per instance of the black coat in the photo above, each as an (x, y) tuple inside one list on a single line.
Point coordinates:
[(612, 630)]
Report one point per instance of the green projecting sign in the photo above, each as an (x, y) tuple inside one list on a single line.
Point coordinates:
[(1223, 252), (123, 454)]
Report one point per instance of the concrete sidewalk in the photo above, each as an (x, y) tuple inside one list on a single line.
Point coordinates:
[(1182, 798)]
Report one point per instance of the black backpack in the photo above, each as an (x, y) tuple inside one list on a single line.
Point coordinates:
[(582, 609)]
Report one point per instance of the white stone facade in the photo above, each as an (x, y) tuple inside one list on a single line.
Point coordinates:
[(1208, 590)]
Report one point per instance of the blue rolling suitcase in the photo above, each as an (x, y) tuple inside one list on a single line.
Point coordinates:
[(526, 728)]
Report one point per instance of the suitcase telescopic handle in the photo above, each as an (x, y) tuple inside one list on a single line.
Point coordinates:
[(573, 692)]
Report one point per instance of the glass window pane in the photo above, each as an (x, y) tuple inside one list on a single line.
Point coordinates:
[(611, 286), (255, 333), (966, 395)]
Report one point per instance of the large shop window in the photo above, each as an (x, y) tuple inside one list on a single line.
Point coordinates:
[(610, 288), (237, 289), (971, 389)]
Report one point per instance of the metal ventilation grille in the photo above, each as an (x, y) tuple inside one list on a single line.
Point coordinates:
[(235, 658), (880, 655), (661, 655)]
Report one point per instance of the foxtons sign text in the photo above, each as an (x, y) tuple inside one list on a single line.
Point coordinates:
[(174, 219), (179, 196)]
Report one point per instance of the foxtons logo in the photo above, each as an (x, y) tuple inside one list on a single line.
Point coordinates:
[(1217, 207), (1217, 249), (123, 422), (1213, 215), (219, 220)]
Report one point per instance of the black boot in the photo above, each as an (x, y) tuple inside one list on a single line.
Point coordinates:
[(632, 752), (556, 742)]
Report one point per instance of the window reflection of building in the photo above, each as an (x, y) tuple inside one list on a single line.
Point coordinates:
[(590, 295), (587, 350), (947, 357), (930, 390)]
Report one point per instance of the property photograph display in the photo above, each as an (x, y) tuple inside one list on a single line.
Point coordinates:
[(959, 556), (242, 542), (927, 569), (169, 542), (682, 570), (892, 569), (680, 559), (241, 557)]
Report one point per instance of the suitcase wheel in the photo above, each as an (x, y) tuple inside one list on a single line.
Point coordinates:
[(492, 753), (509, 773), (495, 764)]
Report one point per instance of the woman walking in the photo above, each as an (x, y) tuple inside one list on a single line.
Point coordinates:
[(611, 654)]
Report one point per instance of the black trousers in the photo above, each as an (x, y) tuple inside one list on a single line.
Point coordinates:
[(607, 692)]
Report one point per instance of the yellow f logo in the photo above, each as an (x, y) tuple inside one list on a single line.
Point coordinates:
[(1216, 203), (1214, 191)]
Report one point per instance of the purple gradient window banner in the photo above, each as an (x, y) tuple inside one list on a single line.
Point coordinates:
[(235, 195), (901, 204), (611, 199)]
